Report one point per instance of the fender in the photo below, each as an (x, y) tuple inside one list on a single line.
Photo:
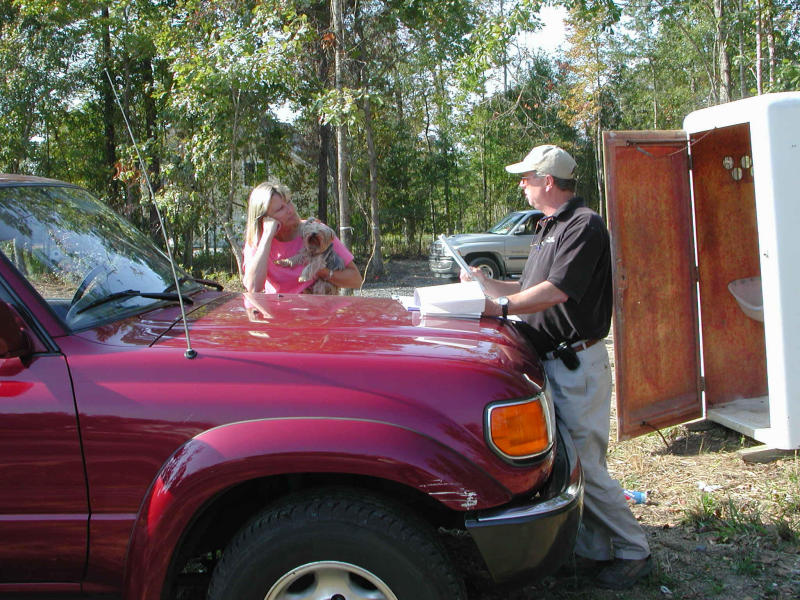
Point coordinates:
[(494, 250), (482, 247), (225, 456)]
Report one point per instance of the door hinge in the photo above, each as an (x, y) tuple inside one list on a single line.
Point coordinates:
[(696, 273), (689, 161), (702, 383)]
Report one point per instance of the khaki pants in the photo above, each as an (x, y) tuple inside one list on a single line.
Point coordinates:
[(583, 399)]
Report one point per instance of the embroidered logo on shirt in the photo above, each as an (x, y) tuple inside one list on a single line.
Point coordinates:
[(542, 224), (548, 240)]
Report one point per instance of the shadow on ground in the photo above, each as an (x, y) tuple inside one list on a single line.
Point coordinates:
[(704, 438)]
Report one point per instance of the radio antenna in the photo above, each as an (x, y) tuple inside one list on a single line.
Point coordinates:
[(190, 353)]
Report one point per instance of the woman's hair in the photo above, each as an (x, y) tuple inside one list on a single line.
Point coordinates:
[(258, 205)]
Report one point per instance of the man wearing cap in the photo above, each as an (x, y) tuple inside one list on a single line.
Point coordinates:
[(565, 296)]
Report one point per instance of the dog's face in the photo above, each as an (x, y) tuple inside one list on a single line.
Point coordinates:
[(317, 236)]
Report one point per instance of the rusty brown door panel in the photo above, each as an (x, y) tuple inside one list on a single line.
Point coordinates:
[(657, 353)]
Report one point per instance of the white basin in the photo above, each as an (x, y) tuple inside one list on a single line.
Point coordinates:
[(748, 294)]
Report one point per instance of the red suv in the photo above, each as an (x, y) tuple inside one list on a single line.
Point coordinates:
[(268, 446)]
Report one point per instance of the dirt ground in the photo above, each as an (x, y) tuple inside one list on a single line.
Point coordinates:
[(719, 527)]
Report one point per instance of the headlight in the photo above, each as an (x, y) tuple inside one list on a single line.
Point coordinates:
[(520, 430)]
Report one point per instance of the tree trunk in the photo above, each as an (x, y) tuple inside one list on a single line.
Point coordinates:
[(377, 268), (430, 155), (322, 175), (759, 59), (227, 227), (188, 247), (447, 195), (770, 27), (324, 146), (598, 138), (742, 70), (345, 233), (598, 164), (655, 92), (109, 132), (151, 128), (721, 34), (484, 179)]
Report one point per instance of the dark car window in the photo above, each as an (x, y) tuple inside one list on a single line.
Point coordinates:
[(507, 223), (74, 251), (529, 226)]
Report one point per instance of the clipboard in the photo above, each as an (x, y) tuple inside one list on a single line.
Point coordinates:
[(459, 260)]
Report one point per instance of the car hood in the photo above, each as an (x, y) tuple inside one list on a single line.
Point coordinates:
[(461, 239), (295, 324), (311, 325)]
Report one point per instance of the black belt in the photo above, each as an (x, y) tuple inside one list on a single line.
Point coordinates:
[(577, 346)]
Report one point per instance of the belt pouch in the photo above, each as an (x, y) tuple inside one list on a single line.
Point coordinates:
[(568, 356)]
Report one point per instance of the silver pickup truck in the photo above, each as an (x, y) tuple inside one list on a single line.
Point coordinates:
[(501, 252)]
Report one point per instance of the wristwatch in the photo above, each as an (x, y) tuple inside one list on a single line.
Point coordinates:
[(503, 302)]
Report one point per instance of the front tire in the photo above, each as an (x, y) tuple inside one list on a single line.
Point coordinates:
[(487, 265), (335, 544)]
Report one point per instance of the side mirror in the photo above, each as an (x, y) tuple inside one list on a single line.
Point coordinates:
[(15, 341)]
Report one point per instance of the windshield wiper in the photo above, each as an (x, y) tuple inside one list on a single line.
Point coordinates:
[(131, 294), (205, 282)]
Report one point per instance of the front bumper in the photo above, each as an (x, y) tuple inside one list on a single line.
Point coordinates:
[(443, 266), (535, 535)]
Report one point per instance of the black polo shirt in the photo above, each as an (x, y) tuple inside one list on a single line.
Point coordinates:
[(571, 249)]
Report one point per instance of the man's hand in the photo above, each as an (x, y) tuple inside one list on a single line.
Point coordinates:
[(475, 274), (492, 308)]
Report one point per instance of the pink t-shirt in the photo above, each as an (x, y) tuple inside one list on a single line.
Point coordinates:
[(284, 279)]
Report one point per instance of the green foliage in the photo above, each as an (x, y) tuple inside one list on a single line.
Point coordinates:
[(41, 47), (729, 521), (704, 512), (747, 564)]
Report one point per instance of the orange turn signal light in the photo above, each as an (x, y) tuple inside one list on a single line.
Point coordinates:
[(521, 429)]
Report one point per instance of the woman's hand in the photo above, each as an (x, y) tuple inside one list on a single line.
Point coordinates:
[(269, 227), (349, 277), (255, 268), (324, 273)]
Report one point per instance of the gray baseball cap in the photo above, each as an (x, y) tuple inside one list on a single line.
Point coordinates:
[(546, 160)]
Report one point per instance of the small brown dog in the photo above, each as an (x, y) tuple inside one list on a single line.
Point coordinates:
[(317, 253)]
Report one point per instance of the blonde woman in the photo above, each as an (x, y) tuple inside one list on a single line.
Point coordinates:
[(272, 234)]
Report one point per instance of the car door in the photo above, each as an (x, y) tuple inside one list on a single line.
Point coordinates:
[(518, 243), (43, 496)]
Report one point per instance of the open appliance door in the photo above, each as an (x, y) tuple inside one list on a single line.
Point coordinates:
[(656, 345)]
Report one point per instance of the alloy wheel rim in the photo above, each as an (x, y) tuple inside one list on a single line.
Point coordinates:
[(488, 271), (329, 580)]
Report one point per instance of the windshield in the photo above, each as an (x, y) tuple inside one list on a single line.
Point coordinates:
[(507, 223), (75, 251)]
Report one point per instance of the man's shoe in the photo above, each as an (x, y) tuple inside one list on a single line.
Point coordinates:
[(622, 573), (580, 566)]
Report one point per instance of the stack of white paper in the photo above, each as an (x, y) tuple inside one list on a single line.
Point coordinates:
[(454, 299)]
